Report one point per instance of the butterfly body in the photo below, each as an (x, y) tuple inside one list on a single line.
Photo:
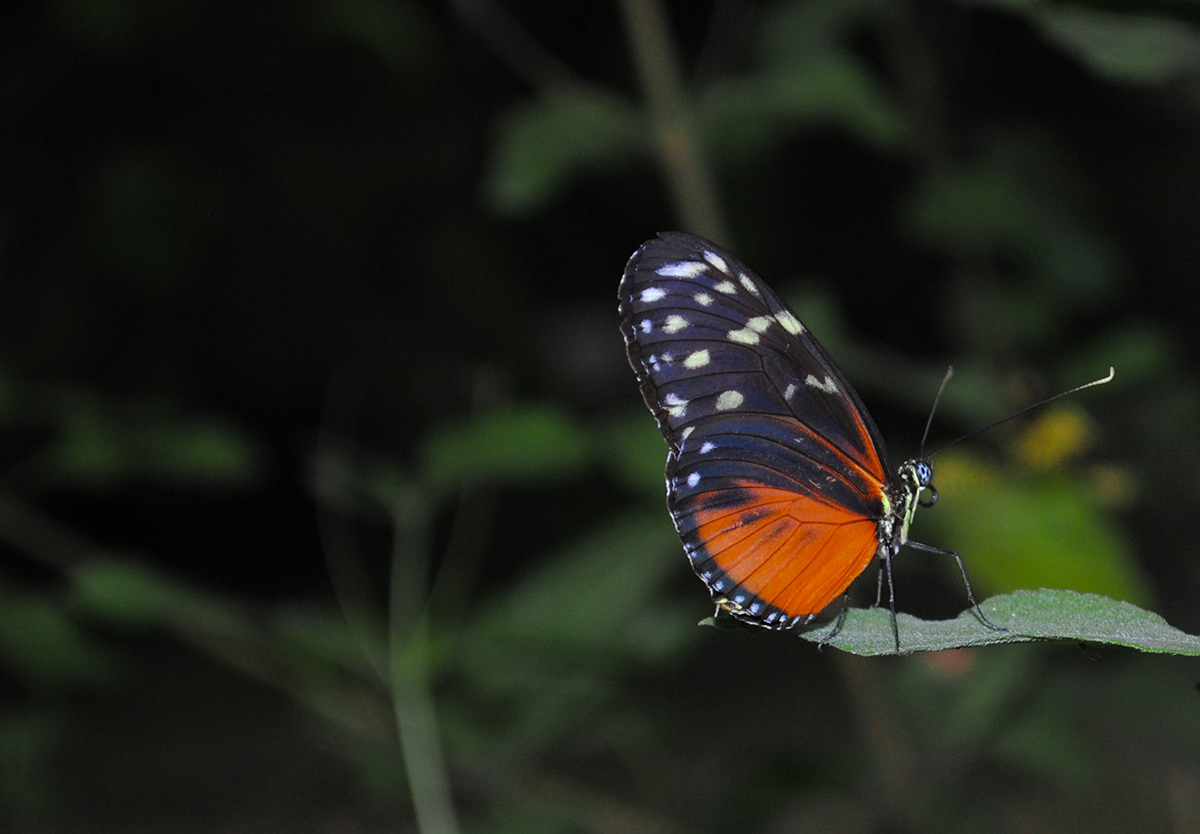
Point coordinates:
[(778, 481)]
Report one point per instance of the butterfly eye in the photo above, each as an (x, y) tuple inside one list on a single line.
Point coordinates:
[(924, 474)]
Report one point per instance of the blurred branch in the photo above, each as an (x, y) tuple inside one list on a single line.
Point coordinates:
[(36, 534), (680, 149), (914, 56), (513, 44), (409, 656), (339, 538)]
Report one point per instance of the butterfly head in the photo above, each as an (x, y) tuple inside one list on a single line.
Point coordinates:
[(916, 478)]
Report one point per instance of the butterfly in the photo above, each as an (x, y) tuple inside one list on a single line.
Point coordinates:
[(778, 480)]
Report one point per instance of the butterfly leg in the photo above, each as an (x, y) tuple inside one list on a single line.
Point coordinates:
[(885, 559), (928, 548), (837, 626)]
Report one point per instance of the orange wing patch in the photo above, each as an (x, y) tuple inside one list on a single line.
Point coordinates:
[(790, 550)]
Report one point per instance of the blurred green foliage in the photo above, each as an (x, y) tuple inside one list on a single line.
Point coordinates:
[(320, 458)]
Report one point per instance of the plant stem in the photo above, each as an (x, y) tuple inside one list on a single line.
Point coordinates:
[(409, 648), (420, 744), (679, 145)]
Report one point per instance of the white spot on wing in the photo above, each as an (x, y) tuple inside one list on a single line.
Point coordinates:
[(682, 269), (652, 294), (697, 360), (728, 400), (674, 324), (790, 391), (745, 281), (828, 386), (703, 299), (716, 260), (676, 405), (646, 325), (707, 446), (693, 479), (726, 287), (760, 324), (683, 435), (789, 322)]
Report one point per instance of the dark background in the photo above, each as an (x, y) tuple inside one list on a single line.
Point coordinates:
[(327, 498)]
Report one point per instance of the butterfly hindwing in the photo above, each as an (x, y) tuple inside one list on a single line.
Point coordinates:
[(776, 475)]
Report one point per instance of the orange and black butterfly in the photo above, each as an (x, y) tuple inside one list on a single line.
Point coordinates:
[(778, 480)]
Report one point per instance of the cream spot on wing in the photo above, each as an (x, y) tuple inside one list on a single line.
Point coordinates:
[(686, 433), (789, 322), (748, 335), (682, 269), (652, 294), (728, 400), (743, 336), (726, 287), (716, 260), (828, 386), (674, 324), (703, 299), (745, 281), (697, 360)]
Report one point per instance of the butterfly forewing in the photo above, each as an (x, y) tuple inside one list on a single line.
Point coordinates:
[(776, 476)]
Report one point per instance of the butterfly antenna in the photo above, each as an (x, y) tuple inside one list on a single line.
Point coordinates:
[(1112, 372), (933, 410)]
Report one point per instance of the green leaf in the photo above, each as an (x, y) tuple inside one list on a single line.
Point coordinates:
[(548, 142), (1021, 531), (398, 34), (792, 32), (743, 115), (41, 642), (546, 655), (635, 453), (1139, 48), (1028, 616), (602, 594), (529, 443), (125, 593), (101, 444), (977, 209)]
